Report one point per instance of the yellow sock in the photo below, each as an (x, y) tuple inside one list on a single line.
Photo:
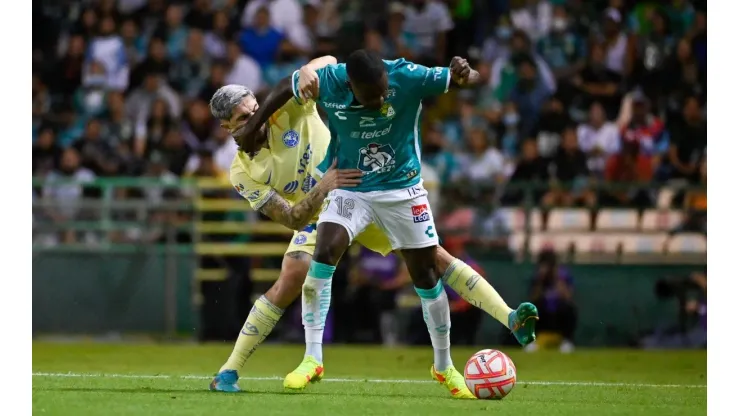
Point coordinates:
[(476, 290), (262, 318)]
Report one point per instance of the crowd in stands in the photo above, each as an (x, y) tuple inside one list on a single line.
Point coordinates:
[(576, 92)]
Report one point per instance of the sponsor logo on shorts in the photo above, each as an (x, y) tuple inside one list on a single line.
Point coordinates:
[(420, 213), (300, 239), (290, 138)]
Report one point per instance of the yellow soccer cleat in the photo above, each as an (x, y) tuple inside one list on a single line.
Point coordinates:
[(454, 381), (309, 371)]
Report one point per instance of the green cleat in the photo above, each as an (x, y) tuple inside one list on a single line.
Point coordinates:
[(521, 323)]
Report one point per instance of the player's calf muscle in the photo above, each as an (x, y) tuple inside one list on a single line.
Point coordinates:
[(292, 275)]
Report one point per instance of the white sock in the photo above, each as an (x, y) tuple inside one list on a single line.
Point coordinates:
[(436, 310), (315, 302)]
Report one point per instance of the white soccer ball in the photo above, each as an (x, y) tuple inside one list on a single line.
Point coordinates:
[(490, 374)]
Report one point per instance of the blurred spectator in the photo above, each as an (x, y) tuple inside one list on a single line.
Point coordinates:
[(503, 75), (222, 146), (156, 61), (688, 142), (529, 94), (654, 50), (597, 82), (46, 153), (647, 129), (692, 327), (109, 50), (107, 8), (532, 16), (619, 47), (66, 74), (154, 87), (284, 14), (585, 17), (570, 177), (531, 168), (397, 42), (206, 166), (150, 132), (598, 139), (551, 291), (260, 40), (197, 125), (552, 121), (119, 127), (683, 76), (90, 100), (630, 165), (41, 99), (157, 169), (200, 16), (87, 25), (698, 35), (436, 152), (190, 73), (496, 45), (173, 31), (217, 38), (175, 151), (509, 130), (681, 14), (429, 21), (695, 203), (134, 44), (483, 164), (562, 48), (63, 190), (216, 80), (307, 39), (97, 154), (242, 69)]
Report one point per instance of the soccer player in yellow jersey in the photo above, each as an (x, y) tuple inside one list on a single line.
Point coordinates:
[(275, 170)]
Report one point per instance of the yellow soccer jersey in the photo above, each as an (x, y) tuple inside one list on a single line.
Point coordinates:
[(297, 143)]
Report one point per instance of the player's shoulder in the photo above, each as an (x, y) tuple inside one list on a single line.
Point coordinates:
[(399, 66), (333, 76)]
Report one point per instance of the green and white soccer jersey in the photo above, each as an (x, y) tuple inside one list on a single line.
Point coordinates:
[(385, 143)]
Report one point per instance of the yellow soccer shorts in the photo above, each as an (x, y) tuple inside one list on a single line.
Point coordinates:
[(372, 238)]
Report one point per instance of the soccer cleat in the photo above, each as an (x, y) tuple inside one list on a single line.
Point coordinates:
[(225, 381), (521, 323), (309, 371), (454, 381)]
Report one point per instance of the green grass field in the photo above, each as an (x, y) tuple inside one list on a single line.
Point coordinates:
[(120, 379)]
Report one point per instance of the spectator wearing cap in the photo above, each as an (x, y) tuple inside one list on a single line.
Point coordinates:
[(646, 129)]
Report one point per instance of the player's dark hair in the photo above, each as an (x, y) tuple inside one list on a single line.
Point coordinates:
[(365, 67)]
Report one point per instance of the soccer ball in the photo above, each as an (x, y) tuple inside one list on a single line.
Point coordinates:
[(490, 374)]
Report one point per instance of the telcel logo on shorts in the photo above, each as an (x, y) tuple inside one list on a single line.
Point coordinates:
[(420, 213)]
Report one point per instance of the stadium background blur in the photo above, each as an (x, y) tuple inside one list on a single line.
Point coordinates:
[(582, 160)]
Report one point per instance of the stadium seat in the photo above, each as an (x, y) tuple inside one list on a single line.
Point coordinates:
[(617, 219), (595, 243), (687, 243), (665, 198), (642, 243), (569, 219), (516, 241), (540, 241), (661, 220)]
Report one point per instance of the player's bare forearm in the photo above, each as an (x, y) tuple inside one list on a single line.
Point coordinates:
[(277, 98), (321, 62), (299, 215)]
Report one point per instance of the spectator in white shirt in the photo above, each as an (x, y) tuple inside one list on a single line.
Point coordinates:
[(532, 16), (65, 197), (224, 149), (108, 49), (484, 164), (243, 70), (598, 138), (284, 14), (429, 21)]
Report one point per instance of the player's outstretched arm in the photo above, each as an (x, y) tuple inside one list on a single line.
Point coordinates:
[(299, 215), (462, 73)]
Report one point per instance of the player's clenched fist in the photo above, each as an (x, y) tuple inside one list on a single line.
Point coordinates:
[(308, 83), (460, 70), (339, 178)]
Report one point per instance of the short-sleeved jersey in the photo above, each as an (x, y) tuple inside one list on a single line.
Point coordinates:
[(297, 143), (384, 144)]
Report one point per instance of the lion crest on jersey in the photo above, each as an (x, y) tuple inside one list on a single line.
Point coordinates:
[(387, 110), (377, 158)]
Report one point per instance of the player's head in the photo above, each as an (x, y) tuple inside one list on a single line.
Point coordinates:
[(233, 105), (367, 77)]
